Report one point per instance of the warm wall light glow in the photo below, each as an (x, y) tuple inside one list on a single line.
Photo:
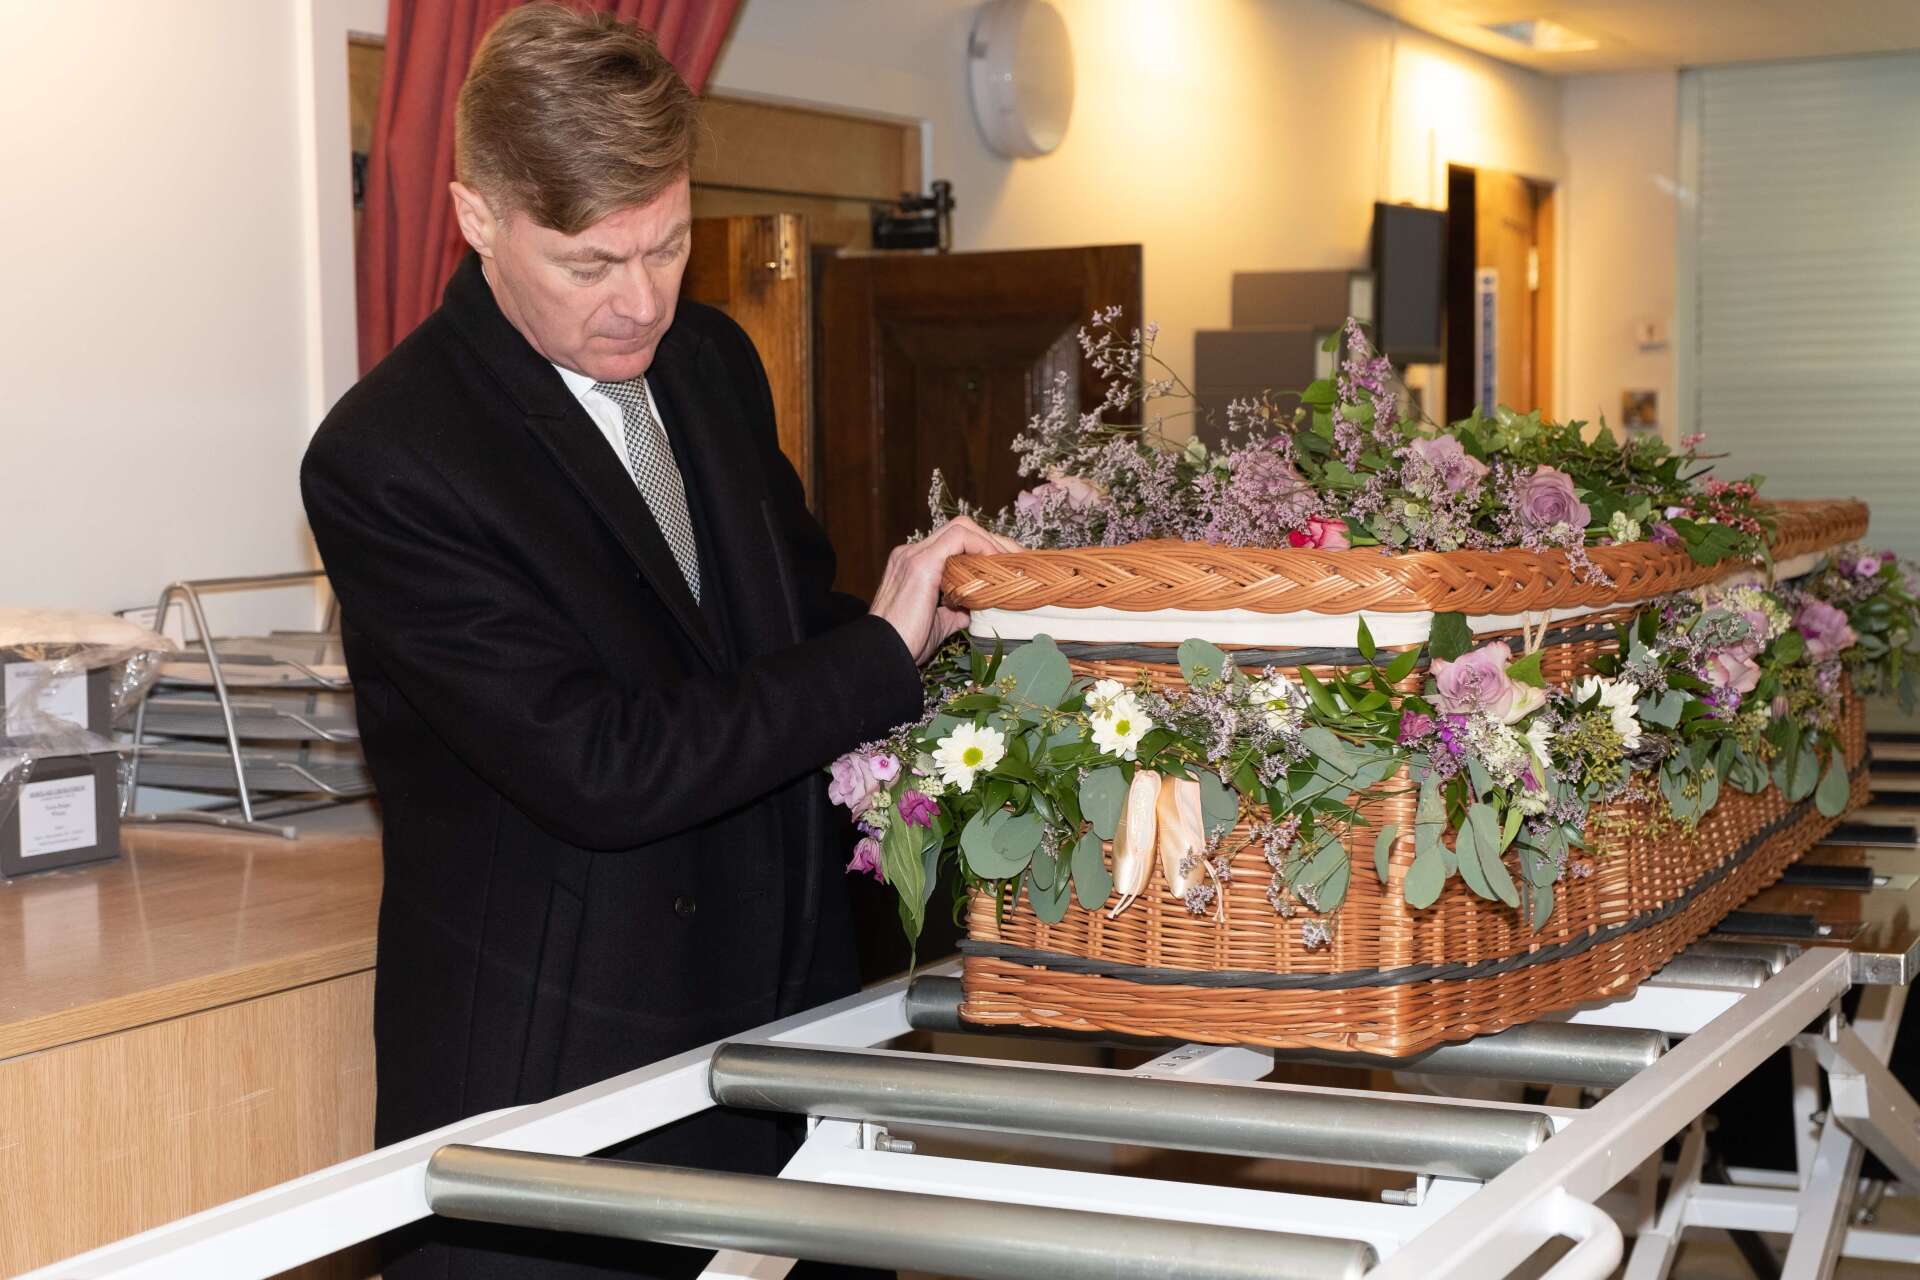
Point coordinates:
[(1544, 36), (1153, 32)]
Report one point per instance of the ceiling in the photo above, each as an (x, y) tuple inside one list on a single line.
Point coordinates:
[(1644, 34)]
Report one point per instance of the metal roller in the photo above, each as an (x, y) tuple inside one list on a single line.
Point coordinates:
[(1535, 1053), (1776, 955), (858, 1226), (1689, 970), (1055, 1102)]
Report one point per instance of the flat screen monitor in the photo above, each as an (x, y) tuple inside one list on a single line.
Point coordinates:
[(1409, 282)]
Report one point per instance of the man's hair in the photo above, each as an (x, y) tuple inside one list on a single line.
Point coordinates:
[(568, 116)]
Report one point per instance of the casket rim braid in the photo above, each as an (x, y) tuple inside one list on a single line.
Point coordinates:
[(1163, 574)]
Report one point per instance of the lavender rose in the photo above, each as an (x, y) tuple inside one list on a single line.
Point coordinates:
[(1826, 629), (1547, 499), (853, 783), (1731, 670), (866, 857), (1455, 468), (1076, 492), (1476, 681)]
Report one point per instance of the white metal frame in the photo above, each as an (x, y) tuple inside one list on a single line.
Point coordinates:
[(1440, 1229)]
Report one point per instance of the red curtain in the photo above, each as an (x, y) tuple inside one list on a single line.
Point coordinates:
[(409, 241)]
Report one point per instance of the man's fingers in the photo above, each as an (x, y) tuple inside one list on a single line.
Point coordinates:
[(971, 539)]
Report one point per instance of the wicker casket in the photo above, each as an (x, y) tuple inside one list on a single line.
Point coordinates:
[(1391, 979)]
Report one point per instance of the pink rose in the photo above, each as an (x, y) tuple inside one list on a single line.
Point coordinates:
[(884, 765), (1455, 468), (866, 857), (1730, 670), (1826, 628), (1323, 535), (1547, 499), (853, 783), (1475, 681), (1076, 492), (1758, 628)]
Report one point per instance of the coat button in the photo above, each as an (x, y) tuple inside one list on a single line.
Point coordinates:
[(684, 906)]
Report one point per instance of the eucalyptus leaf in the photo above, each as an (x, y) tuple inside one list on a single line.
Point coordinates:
[(1663, 711), (982, 851), (1797, 772), (1102, 793), (1466, 849), (1050, 901), (1040, 672), (1425, 879), (1092, 882), (1333, 890), (1542, 906), (1383, 851), (1219, 804), (1486, 839), (1326, 745), (1831, 796), (1017, 835), (1044, 869), (1202, 663)]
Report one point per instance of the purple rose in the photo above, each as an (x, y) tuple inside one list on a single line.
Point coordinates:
[(1730, 670), (884, 765), (1456, 469), (1826, 629), (918, 810), (866, 857), (853, 783), (1476, 681), (1414, 726), (1547, 499)]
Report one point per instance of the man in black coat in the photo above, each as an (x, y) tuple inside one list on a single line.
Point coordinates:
[(598, 663)]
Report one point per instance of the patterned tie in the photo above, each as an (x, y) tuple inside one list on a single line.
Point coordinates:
[(650, 459)]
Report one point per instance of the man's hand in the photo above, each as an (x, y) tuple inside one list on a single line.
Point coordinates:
[(909, 593)]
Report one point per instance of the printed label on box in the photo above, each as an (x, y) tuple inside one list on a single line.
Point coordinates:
[(57, 815), (32, 693)]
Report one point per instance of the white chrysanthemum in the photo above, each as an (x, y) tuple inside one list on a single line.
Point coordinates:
[(1110, 698), (1280, 699), (965, 752), (1119, 732), (1619, 698), (1540, 746)]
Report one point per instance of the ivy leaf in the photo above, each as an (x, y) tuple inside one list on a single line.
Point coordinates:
[(1219, 804), (1040, 672), (1102, 793), (1383, 851), (1092, 882), (1527, 670), (1450, 637), (1203, 664), (1831, 796)]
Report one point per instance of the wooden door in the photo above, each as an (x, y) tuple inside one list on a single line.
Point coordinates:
[(754, 268), (1504, 244), (938, 361)]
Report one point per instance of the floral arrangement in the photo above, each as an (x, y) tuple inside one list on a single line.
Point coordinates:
[(1019, 771), (1346, 467)]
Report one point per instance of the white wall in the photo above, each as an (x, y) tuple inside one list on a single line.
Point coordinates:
[(1622, 221), (152, 361), (1222, 135)]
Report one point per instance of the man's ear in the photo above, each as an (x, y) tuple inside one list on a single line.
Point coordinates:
[(477, 221)]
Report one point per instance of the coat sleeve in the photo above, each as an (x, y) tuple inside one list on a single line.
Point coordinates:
[(518, 693)]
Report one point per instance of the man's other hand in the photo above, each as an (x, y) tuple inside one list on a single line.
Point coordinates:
[(909, 593)]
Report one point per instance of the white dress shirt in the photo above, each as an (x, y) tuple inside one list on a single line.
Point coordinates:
[(606, 414)]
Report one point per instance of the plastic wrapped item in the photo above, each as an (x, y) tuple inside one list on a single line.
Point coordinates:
[(66, 678)]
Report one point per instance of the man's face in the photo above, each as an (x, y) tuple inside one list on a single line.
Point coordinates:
[(597, 302)]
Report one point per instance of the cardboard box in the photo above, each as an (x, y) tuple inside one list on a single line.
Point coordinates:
[(81, 698), (66, 812)]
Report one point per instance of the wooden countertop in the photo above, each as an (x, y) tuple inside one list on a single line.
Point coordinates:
[(189, 918)]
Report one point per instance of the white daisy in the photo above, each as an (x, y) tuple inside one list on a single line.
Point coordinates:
[(965, 752), (1119, 732), (1619, 698)]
